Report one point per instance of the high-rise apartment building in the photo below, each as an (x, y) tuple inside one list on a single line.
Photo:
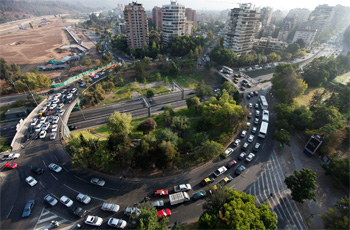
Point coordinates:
[(157, 17), (286, 29), (320, 17), (265, 16), (241, 28), (307, 34), (173, 21), (136, 25), (191, 15)]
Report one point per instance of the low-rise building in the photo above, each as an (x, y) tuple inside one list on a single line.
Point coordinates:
[(270, 44)]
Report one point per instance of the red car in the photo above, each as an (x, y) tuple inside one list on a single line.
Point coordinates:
[(161, 192), (231, 164), (67, 86), (10, 165), (164, 213)]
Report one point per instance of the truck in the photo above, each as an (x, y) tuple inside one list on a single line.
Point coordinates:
[(182, 188), (178, 198)]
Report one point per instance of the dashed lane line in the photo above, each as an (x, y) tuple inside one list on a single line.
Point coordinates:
[(54, 176)]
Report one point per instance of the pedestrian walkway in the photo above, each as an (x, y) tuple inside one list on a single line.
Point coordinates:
[(46, 217), (270, 188)]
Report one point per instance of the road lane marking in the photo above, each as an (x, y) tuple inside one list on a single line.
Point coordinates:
[(42, 184), (9, 212), (247, 171), (56, 157), (46, 219), (54, 176), (65, 168), (44, 164)]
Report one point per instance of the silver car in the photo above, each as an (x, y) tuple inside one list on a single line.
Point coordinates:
[(97, 181), (50, 200)]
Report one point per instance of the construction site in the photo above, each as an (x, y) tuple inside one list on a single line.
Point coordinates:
[(49, 44)]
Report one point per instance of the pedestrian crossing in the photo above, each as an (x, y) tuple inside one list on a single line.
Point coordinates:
[(44, 221), (270, 188)]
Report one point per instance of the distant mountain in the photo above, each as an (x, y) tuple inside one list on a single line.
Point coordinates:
[(101, 4), (17, 9)]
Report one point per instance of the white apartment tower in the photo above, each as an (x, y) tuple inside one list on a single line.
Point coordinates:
[(241, 28), (136, 25), (173, 21)]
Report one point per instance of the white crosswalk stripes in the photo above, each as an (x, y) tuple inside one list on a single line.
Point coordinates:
[(45, 219), (270, 188)]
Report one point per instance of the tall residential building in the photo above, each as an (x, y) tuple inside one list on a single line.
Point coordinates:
[(266, 15), (307, 34), (188, 27), (173, 21), (157, 17), (320, 17), (241, 28), (191, 15), (286, 29), (136, 25)]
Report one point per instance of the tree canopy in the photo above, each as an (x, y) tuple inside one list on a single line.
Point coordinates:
[(120, 123), (338, 217)]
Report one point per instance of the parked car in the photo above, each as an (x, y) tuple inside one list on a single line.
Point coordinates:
[(240, 169), (110, 207), (256, 105), (199, 195), (249, 115), (245, 146), (250, 105), (43, 120), (85, 199), (31, 181), (54, 128), (257, 113), (61, 112), (251, 138), (158, 203), (132, 211), (45, 126), (244, 133), (256, 147), (55, 168), (242, 155), (66, 201), (10, 165), (42, 134), (228, 151), (163, 213), (53, 106), (97, 181), (28, 208), (220, 171), (55, 119), (250, 157), (116, 223), (50, 200), (78, 211), (38, 128), (226, 180), (256, 121), (93, 220), (207, 180), (254, 130), (11, 156), (230, 164), (161, 192), (52, 136), (38, 170), (34, 121), (182, 188)]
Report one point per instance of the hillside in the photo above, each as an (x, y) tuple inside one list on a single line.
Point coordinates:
[(12, 10)]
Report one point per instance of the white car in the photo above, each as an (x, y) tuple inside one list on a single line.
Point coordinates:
[(45, 126), (60, 106), (244, 133), (55, 119), (54, 128), (96, 77), (85, 199), (43, 120), (242, 155), (248, 125), (256, 147), (220, 171), (93, 220), (35, 120), (69, 96), (74, 90), (97, 181), (55, 167), (38, 128), (250, 157), (116, 223), (58, 94), (11, 156), (43, 109), (42, 134), (251, 138), (228, 151), (52, 136), (55, 101), (53, 106), (254, 130), (257, 113), (110, 207), (236, 142), (31, 181), (256, 121), (250, 105), (61, 112), (48, 104), (50, 200), (182, 188), (66, 201), (256, 105)]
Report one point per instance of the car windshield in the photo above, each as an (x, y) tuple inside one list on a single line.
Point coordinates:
[(94, 220)]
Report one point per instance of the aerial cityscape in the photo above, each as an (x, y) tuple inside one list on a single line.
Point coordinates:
[(174, 114)]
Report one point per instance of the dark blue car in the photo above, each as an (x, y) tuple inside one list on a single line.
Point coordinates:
[(28, 208)]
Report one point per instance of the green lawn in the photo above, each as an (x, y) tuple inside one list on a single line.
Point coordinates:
[(343, 79), (85, 133)]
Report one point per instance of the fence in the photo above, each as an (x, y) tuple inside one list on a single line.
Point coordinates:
[(80, 75)]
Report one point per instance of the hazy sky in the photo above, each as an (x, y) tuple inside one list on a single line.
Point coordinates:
[(227, 4)]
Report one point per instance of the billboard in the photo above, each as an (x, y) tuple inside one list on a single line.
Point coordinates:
[(313, 144)]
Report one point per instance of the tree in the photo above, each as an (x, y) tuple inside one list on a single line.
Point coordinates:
[(120, 123), (273, 57), (301, 184), (339, 169), (174, 69), (209, 150), (338, 218), (282, 136), (166, 80), (150, 93), (158, 76), (168, 135), (301, 42), (148, 218), (203, 90), (180, 124), (168, 155), (147, 125), (193, 103), (140, 69), (236, 210), (97, 62)]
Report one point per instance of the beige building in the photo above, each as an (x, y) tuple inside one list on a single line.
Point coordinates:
[(157, 17), (188, 27), (270, 44), (173, 21), (136, 25)]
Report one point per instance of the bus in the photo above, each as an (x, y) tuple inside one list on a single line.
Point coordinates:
[(225, 69), (263, 129), (263, 102)]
